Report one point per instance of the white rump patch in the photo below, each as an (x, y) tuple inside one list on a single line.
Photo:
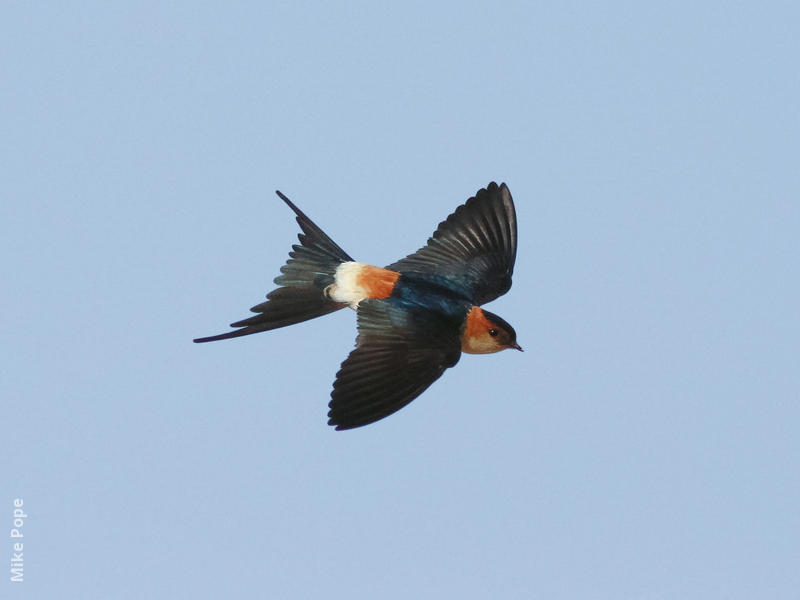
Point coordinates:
[(345, 288)]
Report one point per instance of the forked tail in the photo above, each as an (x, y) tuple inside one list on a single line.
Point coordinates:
[(309, 270)]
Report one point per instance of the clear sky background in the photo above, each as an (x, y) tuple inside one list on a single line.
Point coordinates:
[(644, 446)]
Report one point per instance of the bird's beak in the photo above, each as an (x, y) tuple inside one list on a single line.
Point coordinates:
[(516, 346)]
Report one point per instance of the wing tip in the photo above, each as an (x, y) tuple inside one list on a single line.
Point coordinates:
[(337, 426), (341, 423)]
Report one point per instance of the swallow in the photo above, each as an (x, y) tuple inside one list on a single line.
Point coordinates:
[(415, 317)]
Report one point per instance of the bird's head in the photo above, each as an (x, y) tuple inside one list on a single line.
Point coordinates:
[(484, 332)]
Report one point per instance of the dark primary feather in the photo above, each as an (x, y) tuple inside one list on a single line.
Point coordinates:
[(401, 350), (474, 248), (310, 268)]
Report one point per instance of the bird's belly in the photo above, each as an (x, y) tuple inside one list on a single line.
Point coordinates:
[(355, 281)]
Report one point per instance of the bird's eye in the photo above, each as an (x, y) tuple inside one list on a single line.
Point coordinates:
[(493, 332)]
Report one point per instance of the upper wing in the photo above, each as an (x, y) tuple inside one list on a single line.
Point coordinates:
[(400, 351), (474, 248)]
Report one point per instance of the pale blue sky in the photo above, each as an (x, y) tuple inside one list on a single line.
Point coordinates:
[(645, 445)]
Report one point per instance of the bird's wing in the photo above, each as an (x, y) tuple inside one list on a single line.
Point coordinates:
[(474, 248), (401, 349)]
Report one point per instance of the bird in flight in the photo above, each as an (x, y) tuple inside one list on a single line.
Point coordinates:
[(415, 317)]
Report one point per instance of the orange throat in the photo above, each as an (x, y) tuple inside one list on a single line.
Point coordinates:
[(475, 338)]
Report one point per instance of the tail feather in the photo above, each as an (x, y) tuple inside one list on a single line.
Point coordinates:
[(315, 259), (310, 268), (284, 306)]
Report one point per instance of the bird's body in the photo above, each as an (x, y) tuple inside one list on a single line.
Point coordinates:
[(415, 317)]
